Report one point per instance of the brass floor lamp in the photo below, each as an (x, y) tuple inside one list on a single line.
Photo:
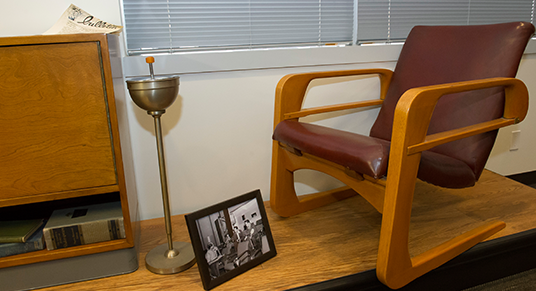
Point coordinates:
[(155, 95)]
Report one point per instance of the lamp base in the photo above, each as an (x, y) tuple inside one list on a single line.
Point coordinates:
[(158, 262)]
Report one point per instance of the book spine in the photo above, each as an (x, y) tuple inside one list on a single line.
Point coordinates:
[(11, 249), (86, 233), (116, 229), (63, 237), (11, 239)]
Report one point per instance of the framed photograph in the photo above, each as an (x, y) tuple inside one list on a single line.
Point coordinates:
[(230, 238)]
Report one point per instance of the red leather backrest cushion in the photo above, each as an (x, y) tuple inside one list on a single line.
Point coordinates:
[(443, 54)]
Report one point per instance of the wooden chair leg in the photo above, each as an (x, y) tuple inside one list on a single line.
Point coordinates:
[(395, 267), (283, 198)]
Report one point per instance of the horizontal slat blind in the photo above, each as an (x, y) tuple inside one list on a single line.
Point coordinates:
[(495, 11), (373, 20), (391, 20), (172, 25), (178, 25), (406, 14)]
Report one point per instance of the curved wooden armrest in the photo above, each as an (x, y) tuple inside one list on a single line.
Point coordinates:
[(416, 106), (330, 108), (291, 90)]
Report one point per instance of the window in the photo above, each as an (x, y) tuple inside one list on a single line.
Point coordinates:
[(174, 25), (391, 20), (180, 25)]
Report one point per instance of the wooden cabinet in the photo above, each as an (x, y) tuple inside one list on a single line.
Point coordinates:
[(59, 135)]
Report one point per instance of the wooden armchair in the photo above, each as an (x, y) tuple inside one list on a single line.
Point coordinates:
[(452, 89)]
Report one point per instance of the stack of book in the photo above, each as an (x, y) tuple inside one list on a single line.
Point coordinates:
[(66, 227), (84, 225), (21, 236)]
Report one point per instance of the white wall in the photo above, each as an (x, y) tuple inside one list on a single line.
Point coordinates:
[(504, 161), (218, 132)]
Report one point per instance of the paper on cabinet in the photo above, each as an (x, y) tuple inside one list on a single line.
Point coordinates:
[(76, 20)]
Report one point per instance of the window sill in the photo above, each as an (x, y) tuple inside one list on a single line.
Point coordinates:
[(222, 61), (225, 61)]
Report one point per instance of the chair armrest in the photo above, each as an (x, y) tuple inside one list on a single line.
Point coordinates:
[(415, 108), (330, 108), (291, 90)]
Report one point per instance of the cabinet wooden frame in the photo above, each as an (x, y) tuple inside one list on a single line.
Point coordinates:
[(68, 52)]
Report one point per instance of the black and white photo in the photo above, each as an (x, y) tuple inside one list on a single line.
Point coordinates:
[(230, 238)]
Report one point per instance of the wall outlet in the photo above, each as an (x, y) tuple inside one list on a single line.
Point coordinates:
[(514, 145)]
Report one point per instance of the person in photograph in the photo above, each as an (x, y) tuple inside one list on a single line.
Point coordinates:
[(228, 245), (229, 252), (237, 234), (248, 229), (213, 256)]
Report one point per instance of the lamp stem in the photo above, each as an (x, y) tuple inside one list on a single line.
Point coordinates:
[(163, 178)]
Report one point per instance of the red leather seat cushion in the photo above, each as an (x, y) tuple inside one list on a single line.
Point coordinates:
[(368, 155), (363, 154)]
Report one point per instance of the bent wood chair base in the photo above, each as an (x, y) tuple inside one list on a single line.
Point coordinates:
[(394, 198), (395, 266), (285, 202)]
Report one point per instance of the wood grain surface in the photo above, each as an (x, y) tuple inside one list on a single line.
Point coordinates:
[(340, 239), (54, 123)]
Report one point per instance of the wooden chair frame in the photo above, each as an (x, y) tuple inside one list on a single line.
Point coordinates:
[(393, 196)]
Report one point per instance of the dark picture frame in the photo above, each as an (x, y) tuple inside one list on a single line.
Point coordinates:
[(230, 238)]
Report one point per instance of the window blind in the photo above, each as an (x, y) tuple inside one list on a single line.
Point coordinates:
[(179, 25), (174, 25), (391, 20)]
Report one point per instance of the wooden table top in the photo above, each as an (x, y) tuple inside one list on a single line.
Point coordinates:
[(340, 239)]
